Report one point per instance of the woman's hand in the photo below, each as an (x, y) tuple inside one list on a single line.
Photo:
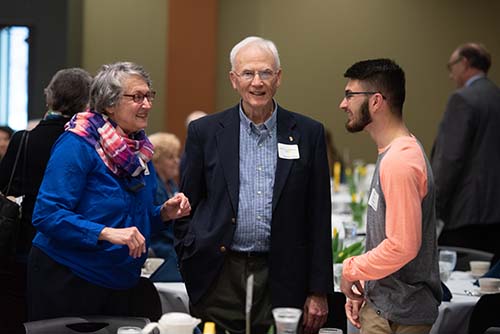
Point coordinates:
[(129, 236), (175, 207)]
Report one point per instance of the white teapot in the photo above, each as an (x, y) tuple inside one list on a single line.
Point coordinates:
[(173, 323)]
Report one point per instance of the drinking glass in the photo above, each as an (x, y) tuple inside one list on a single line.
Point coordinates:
[(447, 262), (330, 331), (129, 330), (350, 232), (286, 319), (337, 275)]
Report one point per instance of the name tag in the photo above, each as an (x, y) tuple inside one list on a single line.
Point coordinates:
[(373, 200), (288, 151)]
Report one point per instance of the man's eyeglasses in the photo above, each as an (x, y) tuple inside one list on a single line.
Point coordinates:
[(250, 75), (139, 97), (453, 62), (349, 94)]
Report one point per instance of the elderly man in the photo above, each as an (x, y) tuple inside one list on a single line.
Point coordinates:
[(257, 177), (402, 289), (466, 158)]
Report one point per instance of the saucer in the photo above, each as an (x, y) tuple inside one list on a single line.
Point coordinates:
[(478, 290)]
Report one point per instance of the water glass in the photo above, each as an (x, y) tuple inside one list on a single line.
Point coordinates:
[(350, 232), (129, 330), (447, 263), (330, 331), (286, 319), (337, 275)]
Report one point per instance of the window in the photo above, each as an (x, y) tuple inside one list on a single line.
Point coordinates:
[(14, 56)]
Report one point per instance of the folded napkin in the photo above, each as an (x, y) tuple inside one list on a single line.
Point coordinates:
[(446, 293)]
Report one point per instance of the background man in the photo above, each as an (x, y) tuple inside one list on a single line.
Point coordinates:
[(466, 157), (258, 181), (400, 268)]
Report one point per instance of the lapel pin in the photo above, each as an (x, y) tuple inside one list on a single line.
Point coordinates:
[(291, 138)]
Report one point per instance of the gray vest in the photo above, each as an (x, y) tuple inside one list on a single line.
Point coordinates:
[(411, 295)]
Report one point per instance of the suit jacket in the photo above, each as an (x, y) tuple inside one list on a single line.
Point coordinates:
[(466, 157), (300, 256)]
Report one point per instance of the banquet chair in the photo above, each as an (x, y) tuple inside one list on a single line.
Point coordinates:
[(465, 255), (484, 316), (84, 324)]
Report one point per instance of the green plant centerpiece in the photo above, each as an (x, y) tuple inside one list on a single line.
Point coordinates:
[(340, 253)]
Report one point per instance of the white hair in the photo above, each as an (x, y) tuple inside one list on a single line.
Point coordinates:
[(260, 42)]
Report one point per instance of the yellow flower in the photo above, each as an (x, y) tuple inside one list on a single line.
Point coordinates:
[(348, 171)]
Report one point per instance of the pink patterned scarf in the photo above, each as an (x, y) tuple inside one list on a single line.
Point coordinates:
[(125, 157)]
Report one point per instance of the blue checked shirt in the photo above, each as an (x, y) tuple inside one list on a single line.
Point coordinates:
[(258, 158)]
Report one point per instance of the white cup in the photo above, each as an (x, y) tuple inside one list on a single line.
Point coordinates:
[(489, 284), (129, 330), (479, 268)]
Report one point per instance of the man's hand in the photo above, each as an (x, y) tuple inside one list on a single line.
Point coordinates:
[(347, 288), (315, 313), (129, 236), (352, 308), (175, 207)]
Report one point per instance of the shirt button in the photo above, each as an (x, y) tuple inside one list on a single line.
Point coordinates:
[(378, 312), (222, 249), (259, 192)]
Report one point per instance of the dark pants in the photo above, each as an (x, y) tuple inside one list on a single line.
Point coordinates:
[(224, 304), (54, 291), (12, 296), (485, 237)]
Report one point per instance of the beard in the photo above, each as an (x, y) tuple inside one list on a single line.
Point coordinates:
[(364, 120)]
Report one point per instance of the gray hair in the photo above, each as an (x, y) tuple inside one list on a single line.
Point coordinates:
[(68, 91), (263, 44), (107, 87)]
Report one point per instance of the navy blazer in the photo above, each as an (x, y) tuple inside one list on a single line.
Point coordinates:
[(300, 257)]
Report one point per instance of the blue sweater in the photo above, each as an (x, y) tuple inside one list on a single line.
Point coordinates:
[(78, 197)]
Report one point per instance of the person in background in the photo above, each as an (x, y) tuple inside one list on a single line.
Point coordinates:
[(257, 176), (191, 117), (94, 212), (66, 94), (465, 157), (194, 116), (402, 290), (5, 134), (166, 161)]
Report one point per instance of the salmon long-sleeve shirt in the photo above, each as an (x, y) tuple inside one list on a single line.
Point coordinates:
[(403, 178)]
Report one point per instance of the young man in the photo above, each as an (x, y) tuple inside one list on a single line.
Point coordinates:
[(401, 290)]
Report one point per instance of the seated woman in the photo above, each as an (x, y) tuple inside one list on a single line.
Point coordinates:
[(95, 213), (166, 161)]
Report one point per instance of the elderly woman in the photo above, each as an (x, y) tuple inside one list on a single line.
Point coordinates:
[(95, 212), (66, 95), (166, 162)]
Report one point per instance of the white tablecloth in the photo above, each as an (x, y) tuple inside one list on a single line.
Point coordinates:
[(454, 315), (173, 296)]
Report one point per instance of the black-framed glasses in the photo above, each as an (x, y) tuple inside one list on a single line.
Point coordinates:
[(453, 62), (250, 75), (349, 94), (139, 97)]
